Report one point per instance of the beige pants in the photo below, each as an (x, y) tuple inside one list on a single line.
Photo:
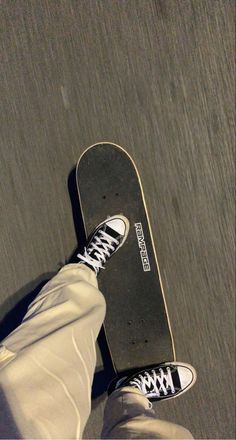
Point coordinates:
[(47, 366)]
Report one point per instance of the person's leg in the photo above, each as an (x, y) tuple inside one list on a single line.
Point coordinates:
[(128, 412), (47, 363), (129, 415)]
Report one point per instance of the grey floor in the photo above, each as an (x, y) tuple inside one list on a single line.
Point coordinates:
[(157, 77)]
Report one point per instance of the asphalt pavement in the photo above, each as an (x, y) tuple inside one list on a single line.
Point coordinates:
[(157, 77)]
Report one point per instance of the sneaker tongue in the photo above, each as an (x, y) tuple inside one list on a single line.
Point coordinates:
[(175, 378), (92, 254), (111, 232), (103, 239)]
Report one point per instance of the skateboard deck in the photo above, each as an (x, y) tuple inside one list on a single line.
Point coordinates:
[(137, 325)]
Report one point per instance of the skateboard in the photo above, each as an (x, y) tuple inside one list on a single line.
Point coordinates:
[(137, 325)]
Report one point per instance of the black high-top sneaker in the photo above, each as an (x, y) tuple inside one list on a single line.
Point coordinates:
[(107, 238), (164, 381)]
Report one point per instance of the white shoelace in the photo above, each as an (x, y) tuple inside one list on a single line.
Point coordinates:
[(103, 251), (146, 380)]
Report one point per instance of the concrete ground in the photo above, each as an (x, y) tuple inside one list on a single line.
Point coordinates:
[(157, 77)]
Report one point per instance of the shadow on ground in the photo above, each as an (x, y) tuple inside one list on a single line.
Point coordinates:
[(27, 294)]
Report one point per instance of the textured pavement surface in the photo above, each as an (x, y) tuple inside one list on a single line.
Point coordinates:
[(157, 77)]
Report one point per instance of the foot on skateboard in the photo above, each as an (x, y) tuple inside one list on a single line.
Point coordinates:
[(107, 238), (164, 381), (137, 324)]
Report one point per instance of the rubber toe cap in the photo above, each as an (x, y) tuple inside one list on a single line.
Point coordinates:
[(118, 225), (186, 376)]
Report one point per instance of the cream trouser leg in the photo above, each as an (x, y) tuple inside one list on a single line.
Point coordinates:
[(47, 366), (129, 415)]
